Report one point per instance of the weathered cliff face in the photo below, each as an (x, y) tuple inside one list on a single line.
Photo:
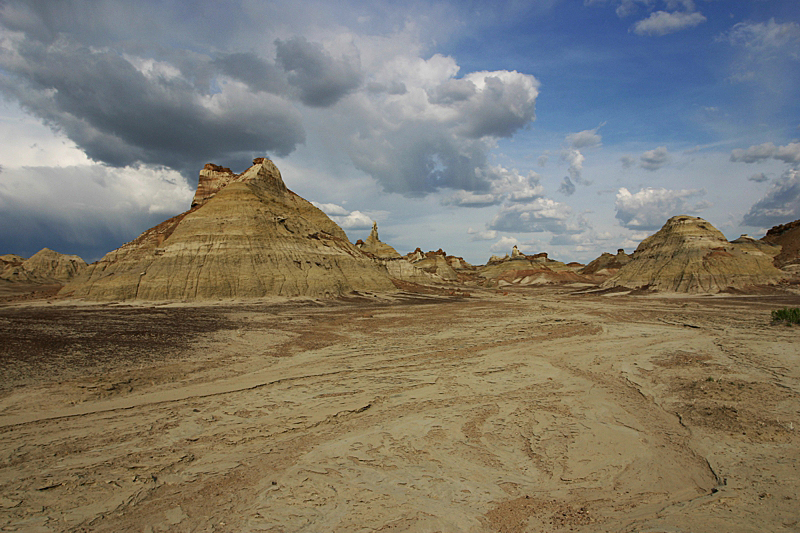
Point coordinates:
[(376, 247), (787, 236), (247, 236), (689, 255), (46, 266)]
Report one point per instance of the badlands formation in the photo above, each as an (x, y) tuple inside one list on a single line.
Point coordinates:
[(46, 266), (689, 255), (388, 397), (246, 236)]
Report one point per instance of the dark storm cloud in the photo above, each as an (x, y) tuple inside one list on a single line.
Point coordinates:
[(780, 205), (502, 107), (320, 79), (121, 115), (257, 73), (567, 187)]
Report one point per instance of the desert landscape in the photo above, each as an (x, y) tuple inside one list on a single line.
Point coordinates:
[(244, 367), (525, 410)]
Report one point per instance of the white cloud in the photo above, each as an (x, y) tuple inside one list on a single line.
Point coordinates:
[(82, 207), (331, 209), (514, 186), (437, 134), (663, 23), (355, 220), (585, 139), (344, 218), (780, 205), (761, 152), (766, 36), (470, 199), (654, 159), (759, 178), (504, 244), (649, 208), (627, 161), (543, 214), (486, 235)]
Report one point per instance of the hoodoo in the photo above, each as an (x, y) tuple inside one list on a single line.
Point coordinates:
[(376, 247), (689, 255), (246, 236)]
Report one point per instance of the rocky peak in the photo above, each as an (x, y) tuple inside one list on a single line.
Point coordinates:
[(690, 255), (213, 178), (375, 247)]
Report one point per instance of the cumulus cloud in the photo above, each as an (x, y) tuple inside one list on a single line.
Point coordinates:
[(761, 152), (572, 154), (123, 109), (663, 23), (512, 186), (543, 214), (320, 79), (781, 204), (585, 139), (331, 209), (82, 208), (470, 199), (437, 134), (649, 208), (567, 187), (354, 220), (486, 235), (504, 244), (345, 218), (575, 170), (654, 159)]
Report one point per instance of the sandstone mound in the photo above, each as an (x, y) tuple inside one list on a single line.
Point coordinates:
[(46, 266), (521, 269), (787, 236), (245, 236), (376, 247), (438, 263), (689, 255), (607, 264)]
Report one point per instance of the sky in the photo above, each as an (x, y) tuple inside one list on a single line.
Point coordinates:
[(572, 127)]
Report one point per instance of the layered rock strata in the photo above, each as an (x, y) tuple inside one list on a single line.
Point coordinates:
[(522, 269), (689, 255), (246, 236)]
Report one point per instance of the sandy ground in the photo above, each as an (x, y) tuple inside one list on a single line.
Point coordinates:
[(532, 411)]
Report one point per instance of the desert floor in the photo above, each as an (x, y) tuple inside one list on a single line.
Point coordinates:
[(534, 410)]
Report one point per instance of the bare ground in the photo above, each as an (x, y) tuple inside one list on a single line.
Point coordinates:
[(527, 411)]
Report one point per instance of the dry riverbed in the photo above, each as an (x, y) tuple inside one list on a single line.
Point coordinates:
[(530, 411)]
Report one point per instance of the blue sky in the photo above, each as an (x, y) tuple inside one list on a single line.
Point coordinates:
[(571, 127)]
